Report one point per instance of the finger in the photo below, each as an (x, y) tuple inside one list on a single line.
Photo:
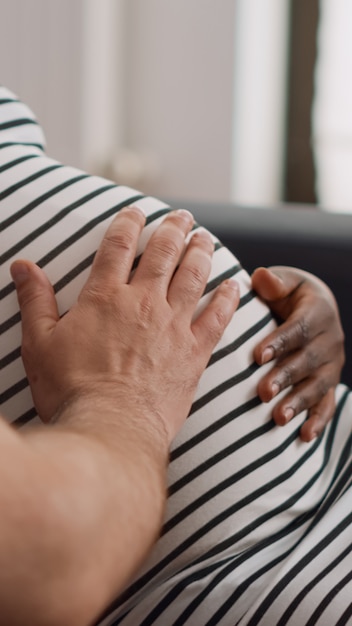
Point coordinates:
[(292, 335), (272, 285), (293, 369), (113, 261), (319, 416), (211, 323), (302, 396), (188, 284), (36, 298), (275, 283), (164, 250)]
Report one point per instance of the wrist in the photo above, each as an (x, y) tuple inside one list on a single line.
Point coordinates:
[(114, 415), (100, 452)]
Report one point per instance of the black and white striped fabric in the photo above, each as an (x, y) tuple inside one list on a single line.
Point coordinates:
[(258, 528)]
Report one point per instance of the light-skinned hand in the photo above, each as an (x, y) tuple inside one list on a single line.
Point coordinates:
[(129, 339), (308, 347)]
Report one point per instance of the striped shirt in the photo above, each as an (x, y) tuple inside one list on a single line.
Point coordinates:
[(258, 527)]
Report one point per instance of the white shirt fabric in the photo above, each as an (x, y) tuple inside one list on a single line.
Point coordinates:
[(258, 524)]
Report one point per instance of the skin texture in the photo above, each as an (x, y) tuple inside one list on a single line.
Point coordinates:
[(308, 347), (152, 307), (115, 378)]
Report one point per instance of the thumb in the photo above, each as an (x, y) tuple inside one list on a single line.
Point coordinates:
[(275, 283), (36, 297)]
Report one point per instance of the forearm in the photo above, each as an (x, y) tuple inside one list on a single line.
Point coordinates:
[(94, 510)]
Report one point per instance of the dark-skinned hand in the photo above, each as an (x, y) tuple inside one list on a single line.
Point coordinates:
[(308, 347)]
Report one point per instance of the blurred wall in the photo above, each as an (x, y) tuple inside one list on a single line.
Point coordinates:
[(105, 75), (180, 92), (63, 58), (164, 95), (261, 41), (40, 59)]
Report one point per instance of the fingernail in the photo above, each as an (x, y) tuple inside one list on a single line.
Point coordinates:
[(19, 272), (203, 234), (275, 389), (277, 276), (186, 215), (288, 414), (133, 207), (268, 355), (233, 284)]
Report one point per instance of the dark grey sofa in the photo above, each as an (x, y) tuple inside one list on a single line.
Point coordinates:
[(300, 236)]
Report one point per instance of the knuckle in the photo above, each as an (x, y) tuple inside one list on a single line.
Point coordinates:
[(282, 343), (96, 296), (122, 239), (312, 395), (303, 330), (164, 253), (312, 360), (166, 247), (145, 310), (287, 376), (292, 337), (301, 403), (203, 240), (217, 324), (322, 387), (195, 277)]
